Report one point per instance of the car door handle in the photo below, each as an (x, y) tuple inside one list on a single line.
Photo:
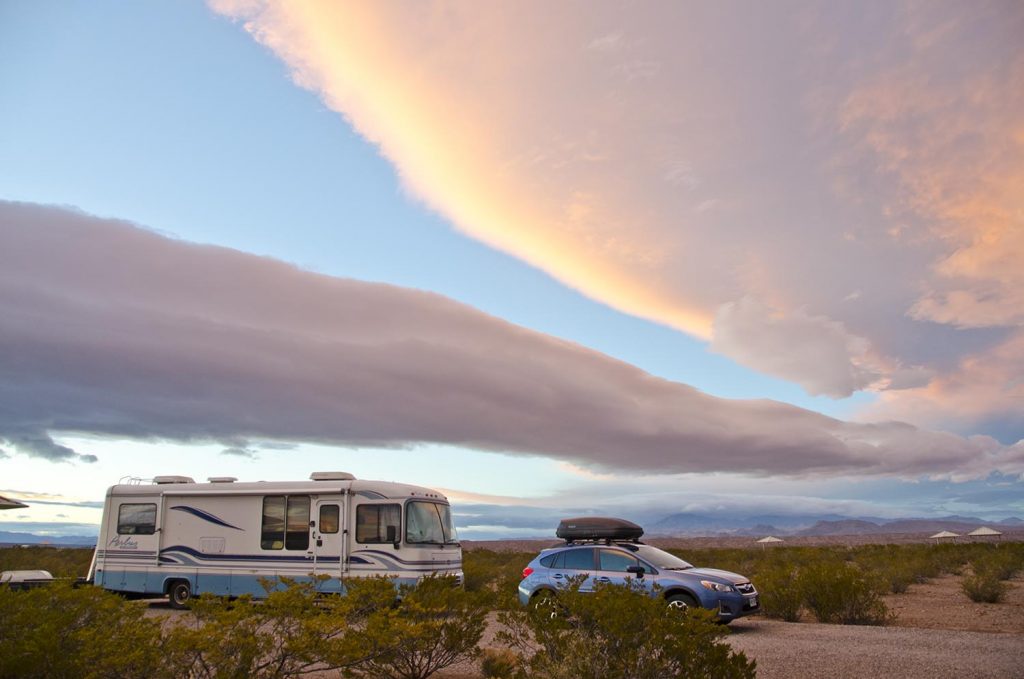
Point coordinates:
[(603, 579), (557, 576)]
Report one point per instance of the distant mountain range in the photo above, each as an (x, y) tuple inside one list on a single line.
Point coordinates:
[(687, 524), (12, 538)]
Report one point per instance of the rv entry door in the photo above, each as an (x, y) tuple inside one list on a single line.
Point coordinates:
[(326, 536)]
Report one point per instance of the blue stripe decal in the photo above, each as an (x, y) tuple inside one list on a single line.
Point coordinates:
[(182, 549), (386, 555), (205, 516)]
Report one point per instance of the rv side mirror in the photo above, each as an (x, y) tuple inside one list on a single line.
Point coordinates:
[(638, 571), (393, 535)]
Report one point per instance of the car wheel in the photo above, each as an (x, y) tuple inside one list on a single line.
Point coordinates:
[(544, 603), (179, 594), (682, 601)]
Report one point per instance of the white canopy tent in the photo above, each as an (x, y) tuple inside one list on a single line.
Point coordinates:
[(769, 540), (944, 535), (984, 532)]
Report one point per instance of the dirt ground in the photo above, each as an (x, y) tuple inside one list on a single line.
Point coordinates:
[(941, 604), (936, 632)]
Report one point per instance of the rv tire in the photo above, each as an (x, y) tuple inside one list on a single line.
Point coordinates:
[(179, 593)]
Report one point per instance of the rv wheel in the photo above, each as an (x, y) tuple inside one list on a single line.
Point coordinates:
[(179, 594)]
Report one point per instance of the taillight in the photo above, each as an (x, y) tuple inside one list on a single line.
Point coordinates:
[(527, 572)]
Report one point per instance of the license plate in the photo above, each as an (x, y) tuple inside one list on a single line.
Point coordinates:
[(753, 602)]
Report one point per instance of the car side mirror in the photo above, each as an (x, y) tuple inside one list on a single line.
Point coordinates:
[(638, 571), (392, 535)]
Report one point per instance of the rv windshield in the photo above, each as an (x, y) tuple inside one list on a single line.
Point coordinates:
[(429, 523)]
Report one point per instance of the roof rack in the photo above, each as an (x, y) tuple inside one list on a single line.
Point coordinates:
[(598, 529)]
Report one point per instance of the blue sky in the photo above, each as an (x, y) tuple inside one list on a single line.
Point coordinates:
[(175, 118)]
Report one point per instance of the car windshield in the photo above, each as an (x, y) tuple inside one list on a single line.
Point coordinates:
[(660, 559)]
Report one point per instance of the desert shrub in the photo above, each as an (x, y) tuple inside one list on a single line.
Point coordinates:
[(495, 574), (61, 562), (293, 631), (780, 592), (897, 566), (839, 593), (619, 631), (984, 587), (500, 663), (60, 631), (436, 625), (1002, 563)]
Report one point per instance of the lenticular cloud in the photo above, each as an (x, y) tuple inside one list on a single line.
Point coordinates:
[(110, 329)]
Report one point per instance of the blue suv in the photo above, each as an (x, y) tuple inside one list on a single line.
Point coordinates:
[(605, 560)]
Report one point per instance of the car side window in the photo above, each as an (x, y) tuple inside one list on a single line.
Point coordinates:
[(578, 559), (613, 560)]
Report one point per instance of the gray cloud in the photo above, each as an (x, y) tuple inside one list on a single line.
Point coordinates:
[(111, 329), (239, 452), (37, 443)]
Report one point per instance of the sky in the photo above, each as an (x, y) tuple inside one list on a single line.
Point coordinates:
[(739, 259)]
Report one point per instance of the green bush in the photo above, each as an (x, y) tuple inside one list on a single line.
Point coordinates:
[(495, 574), (780, 592), (500, 663), (620, 632), (61, 562), (291, 632), (1002, 563), (984, 587), (436, 625), (839, 593), (60, 631)]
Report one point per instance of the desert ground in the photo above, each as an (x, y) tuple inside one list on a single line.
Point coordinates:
[(936, 631)]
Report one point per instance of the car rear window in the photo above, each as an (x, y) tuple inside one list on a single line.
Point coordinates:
[(578, 559)]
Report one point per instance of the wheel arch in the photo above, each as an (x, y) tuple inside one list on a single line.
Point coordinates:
[(679, 589), (543, 590)]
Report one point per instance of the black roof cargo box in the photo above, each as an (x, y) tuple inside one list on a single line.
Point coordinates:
[(598, 528)]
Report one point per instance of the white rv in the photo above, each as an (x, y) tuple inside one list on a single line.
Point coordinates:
[(180, 538)]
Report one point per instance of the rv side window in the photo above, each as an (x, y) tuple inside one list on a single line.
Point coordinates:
[(285, 522), (329, 519), (136, 519), (372, 522)]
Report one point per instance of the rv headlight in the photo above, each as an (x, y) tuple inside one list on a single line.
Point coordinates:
[(716, 586)]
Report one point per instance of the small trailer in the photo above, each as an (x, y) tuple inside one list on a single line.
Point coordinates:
[(178, 538)]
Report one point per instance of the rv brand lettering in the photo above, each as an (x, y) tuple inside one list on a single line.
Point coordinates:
[(124, 542)]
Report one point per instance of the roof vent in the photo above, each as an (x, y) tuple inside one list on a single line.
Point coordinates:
[(222, 479), (173, 479), (331, 476)]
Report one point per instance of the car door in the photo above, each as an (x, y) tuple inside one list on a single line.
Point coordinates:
[(574, 563), (613, 567)]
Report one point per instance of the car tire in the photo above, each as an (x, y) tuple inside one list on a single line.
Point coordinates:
[(179, 594), (544, 601), (681, 601)]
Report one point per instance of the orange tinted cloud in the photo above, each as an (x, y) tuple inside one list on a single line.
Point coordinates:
[(859, 166)]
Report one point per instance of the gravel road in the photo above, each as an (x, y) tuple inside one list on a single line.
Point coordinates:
[(806, 651)]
